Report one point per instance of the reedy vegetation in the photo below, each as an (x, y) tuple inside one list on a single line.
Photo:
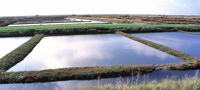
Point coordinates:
[(188, 83)]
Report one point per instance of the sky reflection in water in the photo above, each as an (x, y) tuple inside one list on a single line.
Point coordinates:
[(10, 43), (91, 50), (187, 43)]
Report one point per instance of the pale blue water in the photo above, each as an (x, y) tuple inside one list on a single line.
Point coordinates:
[(8, 44), (91, 50), (185, 42)]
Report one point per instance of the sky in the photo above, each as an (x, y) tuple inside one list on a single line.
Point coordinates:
[(64, 7)]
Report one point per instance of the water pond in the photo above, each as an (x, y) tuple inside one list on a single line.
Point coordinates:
[(185, 42), (10, 43), (90, 50)]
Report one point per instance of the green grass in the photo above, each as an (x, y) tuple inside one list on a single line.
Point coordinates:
[(75, 73), (112, 26), (187, 83), (91, 29)]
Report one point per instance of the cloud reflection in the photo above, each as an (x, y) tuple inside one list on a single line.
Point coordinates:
[(90, 50), (10, 43), (187, 43), (148, 51)]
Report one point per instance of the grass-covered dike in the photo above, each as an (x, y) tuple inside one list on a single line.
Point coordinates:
[(89, 73), (76, 73), (91, 29)]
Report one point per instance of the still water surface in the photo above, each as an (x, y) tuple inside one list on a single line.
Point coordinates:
[(91, 50), (187, 43), (196, 32), (10, 43)]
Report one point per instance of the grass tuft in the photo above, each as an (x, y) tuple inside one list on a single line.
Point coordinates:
[(187, 83)]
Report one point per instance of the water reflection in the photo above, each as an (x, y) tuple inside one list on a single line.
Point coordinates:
[(10, 43), (187, 43), (39, 24), (63, 85), (91, 50)]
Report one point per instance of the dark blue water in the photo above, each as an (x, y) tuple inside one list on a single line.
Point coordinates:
[(91, 50), (187, 43), (63, 85)]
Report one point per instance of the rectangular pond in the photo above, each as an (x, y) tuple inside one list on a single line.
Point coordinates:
[(91, 50), (8, 44), (185, 42)]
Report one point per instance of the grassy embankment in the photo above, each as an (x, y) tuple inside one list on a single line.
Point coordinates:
[(91, 28), (76, 73), (88, 73), (192, 83), (19, 53)]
